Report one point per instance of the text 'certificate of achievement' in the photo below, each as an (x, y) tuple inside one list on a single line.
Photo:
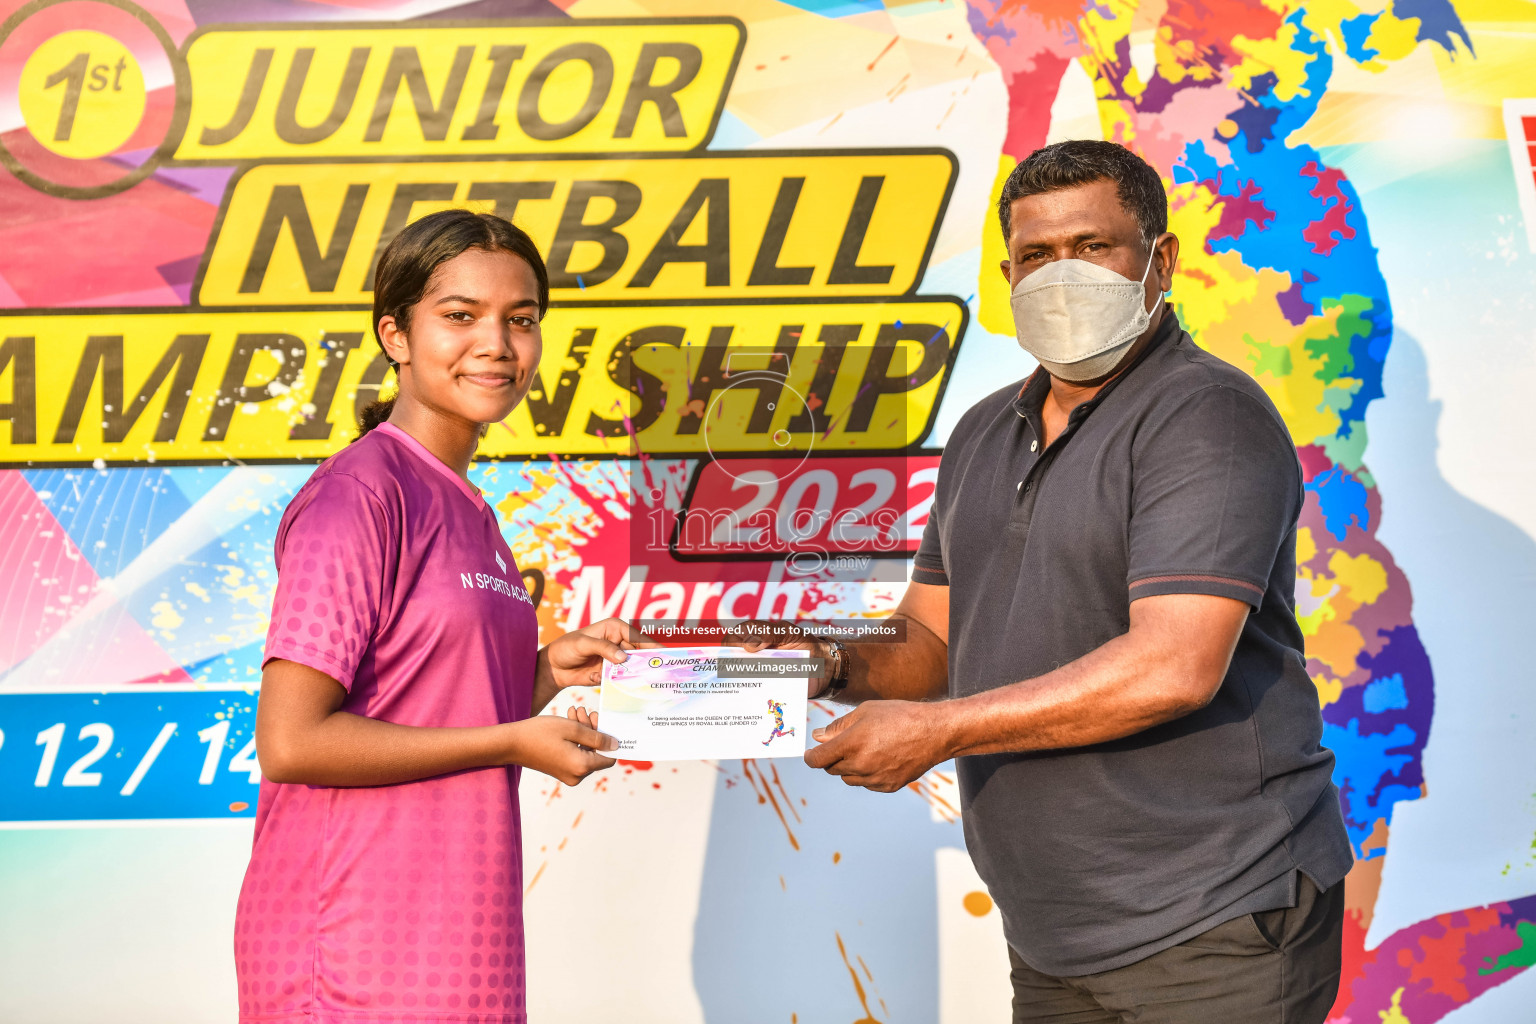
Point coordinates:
[(685, 704)]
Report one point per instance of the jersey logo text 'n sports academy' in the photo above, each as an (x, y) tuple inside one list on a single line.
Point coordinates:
[(486, 581)]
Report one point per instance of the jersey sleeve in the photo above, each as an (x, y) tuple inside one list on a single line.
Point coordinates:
[(928, 563), (331, 570), (1216, 492)]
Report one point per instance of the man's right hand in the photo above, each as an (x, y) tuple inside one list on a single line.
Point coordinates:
[(756, 635), (566, 749)]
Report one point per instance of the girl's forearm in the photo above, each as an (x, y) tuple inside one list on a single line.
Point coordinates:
[(344, 749), (544, 685)]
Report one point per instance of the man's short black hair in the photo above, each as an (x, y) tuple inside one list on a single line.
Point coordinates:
[(1080, 161)]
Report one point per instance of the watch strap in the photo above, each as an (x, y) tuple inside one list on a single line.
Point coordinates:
[(837, 680)]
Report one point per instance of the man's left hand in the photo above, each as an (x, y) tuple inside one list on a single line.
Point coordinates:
[(883, 745)]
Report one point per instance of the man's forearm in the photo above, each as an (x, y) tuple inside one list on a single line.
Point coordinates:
[(1171, 661), (916, 668), (1132, 683)]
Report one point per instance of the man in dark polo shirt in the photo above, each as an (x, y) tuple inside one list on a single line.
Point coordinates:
[(1104, 594)]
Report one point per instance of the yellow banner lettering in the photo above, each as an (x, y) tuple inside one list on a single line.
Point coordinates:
[(740, 226), (190, 386), (311, 91)]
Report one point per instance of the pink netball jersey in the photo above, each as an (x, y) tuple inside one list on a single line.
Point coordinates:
[(393, 903)]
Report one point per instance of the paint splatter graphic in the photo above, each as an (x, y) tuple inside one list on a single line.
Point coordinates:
[(1278, 276)]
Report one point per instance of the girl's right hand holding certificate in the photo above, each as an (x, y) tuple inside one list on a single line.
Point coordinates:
[(566, 749)]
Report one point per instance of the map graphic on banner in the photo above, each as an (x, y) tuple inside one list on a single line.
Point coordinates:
[(772, 251)]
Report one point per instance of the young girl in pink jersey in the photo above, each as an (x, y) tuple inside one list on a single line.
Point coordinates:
[(403, 675)]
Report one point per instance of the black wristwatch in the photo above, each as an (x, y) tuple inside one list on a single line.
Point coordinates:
[(837, 679)]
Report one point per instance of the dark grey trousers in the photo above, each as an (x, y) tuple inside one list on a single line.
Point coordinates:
[(1276, 967)]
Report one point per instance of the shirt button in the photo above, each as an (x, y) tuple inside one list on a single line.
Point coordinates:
[(1033, 445), (1021, 487)]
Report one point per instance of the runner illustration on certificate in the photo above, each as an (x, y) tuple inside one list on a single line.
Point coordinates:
[(777, 711)]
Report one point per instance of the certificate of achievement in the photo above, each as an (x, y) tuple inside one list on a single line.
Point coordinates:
[(683, 703)]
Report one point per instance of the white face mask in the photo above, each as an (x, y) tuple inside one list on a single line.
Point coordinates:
[(1078, 318)]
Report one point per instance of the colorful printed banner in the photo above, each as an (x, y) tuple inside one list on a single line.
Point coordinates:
[(152, 752), (772, 234)]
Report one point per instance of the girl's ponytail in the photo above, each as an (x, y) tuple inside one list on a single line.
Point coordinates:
[(373, 414)]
